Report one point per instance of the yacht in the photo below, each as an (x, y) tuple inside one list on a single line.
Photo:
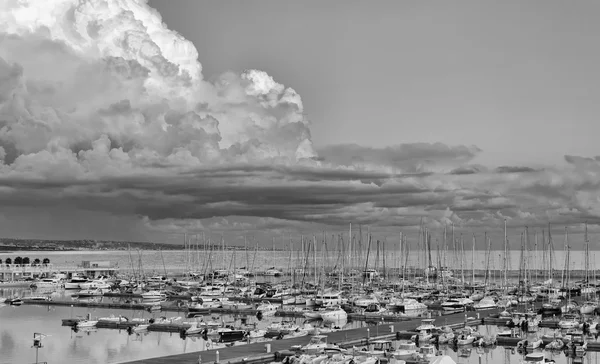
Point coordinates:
[(272, 272), (365, 300), (426, 330), (101, 283), (46, 283), (74, 282), (568, 322), (329, 298), (405, 304), (453, 304)]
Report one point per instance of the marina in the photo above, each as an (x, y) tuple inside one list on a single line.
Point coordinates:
[(249, 316)]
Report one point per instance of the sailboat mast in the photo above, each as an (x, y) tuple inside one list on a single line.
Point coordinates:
[(473, 262), (505, 280)]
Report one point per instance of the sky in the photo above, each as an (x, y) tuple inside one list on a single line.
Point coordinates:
[(128, 120)]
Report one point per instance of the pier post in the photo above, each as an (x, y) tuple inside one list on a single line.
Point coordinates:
[(199, 359), (217, 356), (392, 328), (368, 334)]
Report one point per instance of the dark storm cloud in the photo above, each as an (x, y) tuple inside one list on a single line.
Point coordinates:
[(515, 169)]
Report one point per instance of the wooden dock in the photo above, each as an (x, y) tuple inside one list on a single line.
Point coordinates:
[(257, 352)]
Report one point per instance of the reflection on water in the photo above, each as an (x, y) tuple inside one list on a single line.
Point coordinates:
[(91, 345)]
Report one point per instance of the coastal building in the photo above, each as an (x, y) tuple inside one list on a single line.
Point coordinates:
[(21, 272)]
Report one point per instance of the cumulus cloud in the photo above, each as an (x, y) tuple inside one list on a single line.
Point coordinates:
[(105, 110)]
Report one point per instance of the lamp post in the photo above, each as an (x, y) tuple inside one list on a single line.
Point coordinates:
[(37, 344)]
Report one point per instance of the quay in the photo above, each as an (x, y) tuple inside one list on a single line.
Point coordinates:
[(257, 352)]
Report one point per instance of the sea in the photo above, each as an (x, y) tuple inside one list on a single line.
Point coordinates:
[(61, 344)]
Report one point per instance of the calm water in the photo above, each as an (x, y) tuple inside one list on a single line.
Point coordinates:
[(102, 346), (63, 345), (182, 261)]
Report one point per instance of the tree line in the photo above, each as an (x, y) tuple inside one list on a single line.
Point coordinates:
[(25, 261)]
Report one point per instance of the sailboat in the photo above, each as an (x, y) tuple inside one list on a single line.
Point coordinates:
[(587, 307)]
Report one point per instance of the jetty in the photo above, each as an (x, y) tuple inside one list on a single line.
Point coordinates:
[(270, 351)]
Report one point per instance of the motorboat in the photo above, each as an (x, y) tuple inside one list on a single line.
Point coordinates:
[(446, 335), (426, 330), (266, 308), (406, 305), (455, 304), (153, 295), (406, 350), (465, 338), (587, 308), (272, 272), (333, 314), (46, 283), (86, 323), (317, 344), (374, 310), (89, 293), (568, 322), (75, 282), (365, 300), (329, 298), (113, 318)]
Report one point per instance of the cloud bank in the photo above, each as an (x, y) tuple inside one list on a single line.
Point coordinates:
[(104, 110)]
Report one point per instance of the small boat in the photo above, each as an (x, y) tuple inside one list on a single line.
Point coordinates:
[(89, 293), (113, 318), (86, 323), (256, 333), (194, 329), (465, 338), (153, 295), (317, 344), (141, 328), (14, 301), (38, 298)]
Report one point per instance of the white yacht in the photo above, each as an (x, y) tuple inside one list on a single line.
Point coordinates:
[(74, 283), (329, 298), (153, 295), (273, 272), (46, 283), (333, 314)]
